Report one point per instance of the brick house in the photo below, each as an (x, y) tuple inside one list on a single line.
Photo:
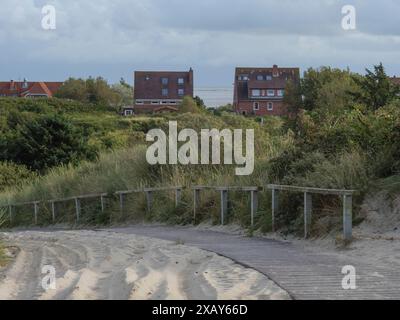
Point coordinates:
[(260, 91), (161, 91), (29, 89)]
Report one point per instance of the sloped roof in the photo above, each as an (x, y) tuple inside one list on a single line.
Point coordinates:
[(16, 88)]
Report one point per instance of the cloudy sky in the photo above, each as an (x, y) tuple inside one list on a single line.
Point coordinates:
[(114, 38)]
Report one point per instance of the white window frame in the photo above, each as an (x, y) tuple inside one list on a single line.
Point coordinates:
[(255, 95), (162, 92), (270, 106), (268, 78), (181, 90), (281, 93), (270, 93), (128, 112), (181, 81), (256, 106), (155, 102), (260, 77), (139, 102)]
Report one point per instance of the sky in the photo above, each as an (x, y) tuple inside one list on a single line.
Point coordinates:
[(113, 38)]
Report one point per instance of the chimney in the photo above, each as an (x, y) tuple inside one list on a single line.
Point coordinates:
[(275, 71), (12, 85), (191, 79), (25, 84)]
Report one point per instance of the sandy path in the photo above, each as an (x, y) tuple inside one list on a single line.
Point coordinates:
[(106, 265)]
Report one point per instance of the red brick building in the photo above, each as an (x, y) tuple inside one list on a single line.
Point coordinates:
[(260, 91), (28, 89), (161, 91)]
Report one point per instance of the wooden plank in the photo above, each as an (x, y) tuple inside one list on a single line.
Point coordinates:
[(307, 213), (275, 207), (224, 205), (102, 203), (178, 196), (347, 217), (310, 190), (149, 199), (162, 189), (10, 211), (78, 209), (53, 211), (35, 211), (196, 203), (254, 205)]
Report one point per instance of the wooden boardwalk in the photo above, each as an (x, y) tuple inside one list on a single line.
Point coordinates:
[(305, 275)]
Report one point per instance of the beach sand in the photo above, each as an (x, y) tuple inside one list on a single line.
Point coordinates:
[(108, 265)]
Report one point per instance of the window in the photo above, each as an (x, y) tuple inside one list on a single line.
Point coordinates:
[(260, 78), (155, 102), (270, 93), (181, 81), (164, 81), (147, 78), (256, 92), (164, 92), (243, 113), (128, 112), (268, 77), (139, 102), (270, 106), (243, 77), (181, 92), (281, 93), (256, 106)]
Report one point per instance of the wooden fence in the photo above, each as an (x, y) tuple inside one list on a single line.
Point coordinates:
[(224, 191)]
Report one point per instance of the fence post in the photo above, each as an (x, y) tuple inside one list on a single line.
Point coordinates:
[(196, 203), (78, 208), (10, 213), (149, 199), (178, 196), (307, 213), (254, 205), (121, 203), (347, 217), (224, 205), (53, 211), (275, 206), (102, 203), (36, 209)]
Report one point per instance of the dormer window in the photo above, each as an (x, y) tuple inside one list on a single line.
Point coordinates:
[(268, 77), (260, 77)]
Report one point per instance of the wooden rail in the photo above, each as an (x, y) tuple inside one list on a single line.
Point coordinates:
[(347, 201), (224, 199), (346, 195)]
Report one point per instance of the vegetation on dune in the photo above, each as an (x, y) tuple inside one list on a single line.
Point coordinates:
[(343, 134)]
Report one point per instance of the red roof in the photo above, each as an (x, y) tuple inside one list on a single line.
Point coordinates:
[(25, 89)]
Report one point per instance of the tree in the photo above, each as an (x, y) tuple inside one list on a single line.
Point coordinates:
[(45, 143), (125, 93), (376, 88), (293, 98), (189, 105), (89, 90)]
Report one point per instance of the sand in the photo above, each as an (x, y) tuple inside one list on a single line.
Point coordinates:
[(107, 265)]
